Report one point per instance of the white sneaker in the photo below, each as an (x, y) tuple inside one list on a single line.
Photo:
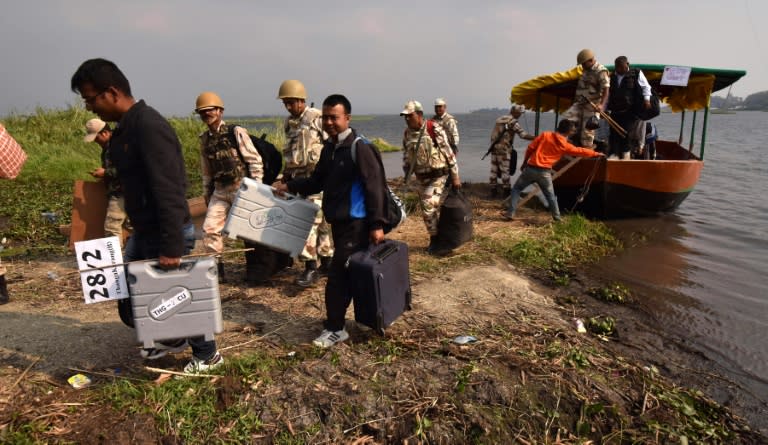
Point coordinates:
[(329, 338), (197, 366)]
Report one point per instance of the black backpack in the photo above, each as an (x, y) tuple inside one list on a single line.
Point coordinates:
[(396, 213), (270, 155)]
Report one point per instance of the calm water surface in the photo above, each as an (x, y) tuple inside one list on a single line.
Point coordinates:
[(702, 269)]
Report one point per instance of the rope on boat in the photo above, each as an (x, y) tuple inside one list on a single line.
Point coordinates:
[(587, 184)]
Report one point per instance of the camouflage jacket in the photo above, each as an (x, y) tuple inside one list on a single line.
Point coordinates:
[(510, 126), (451, 127), (592, 83), (220, 162), (111, 182), (304, 142), (428, 157)]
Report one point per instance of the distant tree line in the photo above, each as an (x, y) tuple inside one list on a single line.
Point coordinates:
[(756, 101)]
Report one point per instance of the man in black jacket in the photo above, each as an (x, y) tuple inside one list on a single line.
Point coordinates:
[(630, 92), (354, 203), (150, 166)]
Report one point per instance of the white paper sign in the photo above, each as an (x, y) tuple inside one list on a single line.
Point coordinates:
[(107, 282), (676, 75)]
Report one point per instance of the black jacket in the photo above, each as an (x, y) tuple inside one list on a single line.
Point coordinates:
[(150, 165), (335, 175)]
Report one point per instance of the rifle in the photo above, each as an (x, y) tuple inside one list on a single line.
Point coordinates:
[(498, 138)]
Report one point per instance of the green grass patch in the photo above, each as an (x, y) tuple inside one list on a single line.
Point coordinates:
[(613, 293), (384, 146), (58, 156), (555, 248)]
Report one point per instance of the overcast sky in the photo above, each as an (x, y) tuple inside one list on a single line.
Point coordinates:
[(379, 54)]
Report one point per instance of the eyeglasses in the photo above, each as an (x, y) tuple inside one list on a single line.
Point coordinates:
[(89, 99)]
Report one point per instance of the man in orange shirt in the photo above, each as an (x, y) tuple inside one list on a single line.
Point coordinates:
[(541, 154)]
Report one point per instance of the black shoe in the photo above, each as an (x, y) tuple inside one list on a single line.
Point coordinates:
[(310, 274), (307, 278), (325, 265), (220, 271), (3, 289), (432, 244)]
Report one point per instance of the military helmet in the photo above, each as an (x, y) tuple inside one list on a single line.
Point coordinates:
[(584, 55), (208, 99), (292, 89)]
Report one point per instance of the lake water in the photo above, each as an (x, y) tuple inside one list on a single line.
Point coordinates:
[(702, 270)]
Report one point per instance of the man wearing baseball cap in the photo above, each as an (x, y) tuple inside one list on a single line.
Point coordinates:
[(448, 122), (96, 130), (427, 155)]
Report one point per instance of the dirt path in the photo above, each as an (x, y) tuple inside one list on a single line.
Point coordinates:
[(48, 333)]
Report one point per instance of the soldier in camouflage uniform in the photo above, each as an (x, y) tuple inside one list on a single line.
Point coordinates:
[(304, 142), (98, 131), (593, 85), (502, 138), (448, 122), (428, 156), (222, 171)]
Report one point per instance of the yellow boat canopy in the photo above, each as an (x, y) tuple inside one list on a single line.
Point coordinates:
[(554, 92)]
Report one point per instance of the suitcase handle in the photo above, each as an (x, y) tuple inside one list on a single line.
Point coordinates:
[(248, 182), (383, 251), (184, 267)]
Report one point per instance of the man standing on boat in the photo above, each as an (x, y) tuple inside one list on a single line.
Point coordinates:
[(304, 141), (630, 91), (591, 96), (540, 156), (503, 154), (448, 122)]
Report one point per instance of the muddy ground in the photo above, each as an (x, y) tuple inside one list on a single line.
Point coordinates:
[(47, 334)]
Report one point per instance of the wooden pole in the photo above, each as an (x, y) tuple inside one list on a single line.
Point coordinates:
[(622, 132)]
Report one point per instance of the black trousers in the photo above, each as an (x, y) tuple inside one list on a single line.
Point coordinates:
[(617, 143), (348, 238)]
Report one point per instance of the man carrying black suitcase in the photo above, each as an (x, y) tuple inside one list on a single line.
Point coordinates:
[(354, 203)]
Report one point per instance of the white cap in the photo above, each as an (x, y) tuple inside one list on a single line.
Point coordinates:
[(92, 128), (411, 107), (440, 101)]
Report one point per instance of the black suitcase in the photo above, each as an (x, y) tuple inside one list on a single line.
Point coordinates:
[(454, 227), (380, 284)]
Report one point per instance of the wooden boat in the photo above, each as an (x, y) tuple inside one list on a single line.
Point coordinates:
[(626, 188)]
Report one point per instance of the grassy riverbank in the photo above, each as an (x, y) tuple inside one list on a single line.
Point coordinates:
[(530, 377)]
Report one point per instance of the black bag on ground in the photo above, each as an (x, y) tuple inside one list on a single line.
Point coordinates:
[(380, 283), (512, 161), (454, 227), (270, 156)]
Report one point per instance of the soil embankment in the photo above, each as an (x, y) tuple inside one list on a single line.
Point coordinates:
[(530, 374)]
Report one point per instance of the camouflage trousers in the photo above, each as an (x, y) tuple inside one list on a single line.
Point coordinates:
[(580, 114), (319, 242), (500, 168), (218, 209), (431, 197), (116, 218)]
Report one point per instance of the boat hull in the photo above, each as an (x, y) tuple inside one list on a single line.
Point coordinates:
[(630, 188)]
